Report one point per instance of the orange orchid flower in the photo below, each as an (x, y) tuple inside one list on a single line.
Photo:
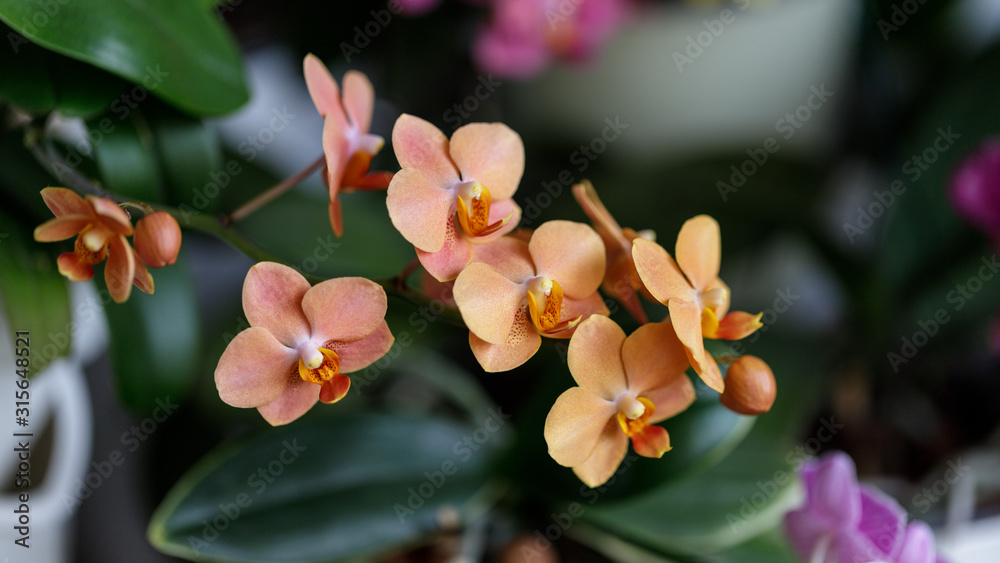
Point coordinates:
[(626, 386), (301, 341), (100, 227), (519, 292), (695, 295), (621, 280), (451, 195), (347, 144)]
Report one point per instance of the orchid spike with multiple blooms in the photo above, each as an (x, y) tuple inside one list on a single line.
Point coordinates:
[(347, 143), (302, 341), (697, 299), (626, 385), (844, 522)]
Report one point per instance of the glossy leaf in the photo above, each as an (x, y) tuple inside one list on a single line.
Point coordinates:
[(177, 49), (155, 341), (331, 489), (125, 154), (34, 294), (188, 151)]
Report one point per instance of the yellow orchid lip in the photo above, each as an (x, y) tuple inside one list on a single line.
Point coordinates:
[(546, 317), (633, 425), (327, 368), (474, 216)]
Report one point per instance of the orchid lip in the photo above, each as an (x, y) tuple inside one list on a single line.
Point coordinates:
[(631, 407)]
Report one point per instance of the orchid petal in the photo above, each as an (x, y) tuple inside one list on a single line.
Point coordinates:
[(582, 308), (299, 396), (671, 399), (69, 265), (420, 145), (272, 298), (336, 149), (420, 209), (832, 487), (918, 545), (62, 227), (120, 269), (652, 442), (142, 278), (686, 320), (112, 216), (359, 354), (575, 424), (883, 521), (570, 253), (607, 456), (359, 99), (508, 256), (447, 263), (344, 309), (595, 357), (254, 369), (323, 90), (488, 302), (491, 154), (699, 250), (738, 325), (522, 343), (659, 273), (63, 201), (653, 358)]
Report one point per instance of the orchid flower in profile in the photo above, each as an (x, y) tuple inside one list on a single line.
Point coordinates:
[(844, 522), (621, 280), (100, 227), (626, 386), (347, 144), (301, 341), (451, 195), (518, 292), (525, 36), (698, 300)]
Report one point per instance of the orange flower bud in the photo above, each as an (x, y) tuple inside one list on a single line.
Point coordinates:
[(157, 239), (750, 387)]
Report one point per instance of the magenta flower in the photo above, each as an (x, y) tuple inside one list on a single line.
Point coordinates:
[(525, 36), (844, 522), (975, 188)]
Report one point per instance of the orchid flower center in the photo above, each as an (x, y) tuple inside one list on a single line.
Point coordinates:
[(712, 298), (87, 249), (318, 365), (634, 413), (545, 297), (473, 206)]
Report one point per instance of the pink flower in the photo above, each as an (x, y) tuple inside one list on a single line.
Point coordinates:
[(975, 188), (451, 195), (301, 341), (347, 144), (524, 36)]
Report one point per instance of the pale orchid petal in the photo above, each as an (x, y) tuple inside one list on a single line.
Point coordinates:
[(112, 216), (738, 325), (653, 358), (359, 99), (142, 278), (592, 206), (491, 154), (522, 343), (254, 370), (671, 399), (336, 150), (607, 456), (918, 545), (420, 145), (570, 253), (575, 424), (454, 256), (358, 355), (323, 90), (832, 486), (659, 273), (62, 227), (420, 209), (120, 269), (583, 308), (344, 309), (595, 359), (686, 320), (336, 213), (508, 256), (883, 524), (63, 201), (298, 397), (272, 298), (699, 250), (488, 302)]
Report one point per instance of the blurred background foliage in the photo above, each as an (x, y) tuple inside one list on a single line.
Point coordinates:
[(200, 106)]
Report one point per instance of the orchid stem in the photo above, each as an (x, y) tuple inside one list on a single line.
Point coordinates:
[(263, 199)]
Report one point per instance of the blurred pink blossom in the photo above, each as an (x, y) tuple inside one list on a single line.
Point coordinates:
[(975, 188)]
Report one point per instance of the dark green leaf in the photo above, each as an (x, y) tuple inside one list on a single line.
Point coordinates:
[(35, 296), (126, 156), (177, 49), (188, 151), (351, 491), (155, 341)]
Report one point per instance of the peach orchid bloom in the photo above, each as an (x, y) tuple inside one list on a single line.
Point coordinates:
[(695, 295), (626, 385), (301, 341), (621, 280), (100, 226), (451, 195), (347, 144), (521, 291)]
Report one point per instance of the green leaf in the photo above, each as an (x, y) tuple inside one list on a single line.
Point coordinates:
[(126, 156), (155, 341), (35, 295), (350, 491), (177, 49), (770, 546), (188, 151)]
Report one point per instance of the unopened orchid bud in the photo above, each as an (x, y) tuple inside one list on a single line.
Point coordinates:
[(157, 239), (750, 387), (975, 188)]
